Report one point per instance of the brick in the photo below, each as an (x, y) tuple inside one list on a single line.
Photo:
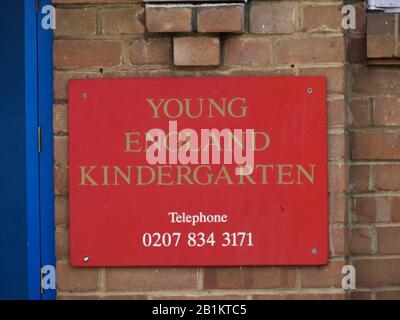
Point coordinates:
[(322, 18), (248, 51), (61, 180), (60, 118), (168, 19), (249, 278), (360, 18), (123, 279), (328, 276), (338, 241), (388, 295), (140, 73), (376, 145), (61, 211), (335, 78), (380, 35), (386, 111), (220, 19), (196, 51), (62, 244), (336, 146), (61, 149), (86, 53), (360, 242), (336, 111), (310, 50), (300, 296), (387, 177), (271, 18), (337, 208), (76, 279), (359, 178), (122, 21), (72, 22), (373, 81), (337, 178), (124, 297), (207, 296), (358, 113), (155, 51), (61, 79), (388, 240), (357, 49), (377, 209), (377, 272), (360, 295), (62, 296)]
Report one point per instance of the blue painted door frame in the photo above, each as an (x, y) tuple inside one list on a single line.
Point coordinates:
[(46, 162), (26, 175)]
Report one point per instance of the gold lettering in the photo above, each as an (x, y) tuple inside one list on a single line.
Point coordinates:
[(196, 175), (185, 175), (302, 171), (243, 108), (86, 176), (155, 107), (129, 141), (223, 175), (140, 181), (282, 173), (119, 173), (161, 174)]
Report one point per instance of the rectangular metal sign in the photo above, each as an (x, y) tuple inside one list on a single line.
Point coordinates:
[(198, 171)]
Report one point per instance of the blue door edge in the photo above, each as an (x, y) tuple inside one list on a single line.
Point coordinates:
[(46, 158), (32, 161), (40, 177)]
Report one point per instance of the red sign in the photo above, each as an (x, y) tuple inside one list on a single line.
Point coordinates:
[(139, 198)]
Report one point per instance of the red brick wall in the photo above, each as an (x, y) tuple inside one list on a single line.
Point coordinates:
[(374, 184), (119, 38)]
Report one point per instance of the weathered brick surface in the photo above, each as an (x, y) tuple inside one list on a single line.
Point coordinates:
[(122, 21), (150, 279), (76, 279), (377, 272), (221, 19), (388, 240), (361, 241), (322, 277), (321, 18), (248, 51), (169, 19), (150, 51), (72, 22), (121, 38), (386, 111), (249, 278), (376, 144), (272, 17), (377, 209), (381, 35), (359, 178), (387, 177), (310, 50), (196, 51), (86, 53)]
